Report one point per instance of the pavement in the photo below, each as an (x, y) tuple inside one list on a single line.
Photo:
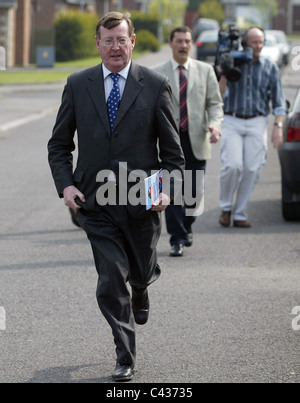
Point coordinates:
[(221, 314)]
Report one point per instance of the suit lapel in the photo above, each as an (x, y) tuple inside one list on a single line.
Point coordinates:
[(132, 90), (172, 79), (95, 86), (192, 76)]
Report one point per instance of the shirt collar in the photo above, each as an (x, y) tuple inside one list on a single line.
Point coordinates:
[(123, 73), (176, 64)]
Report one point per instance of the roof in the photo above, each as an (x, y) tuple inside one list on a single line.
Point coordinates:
[(80, 2)]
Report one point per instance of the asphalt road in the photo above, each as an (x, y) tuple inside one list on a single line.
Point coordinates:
[(220, 314)]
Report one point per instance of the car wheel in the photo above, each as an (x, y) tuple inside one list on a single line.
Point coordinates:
[(290, 210)]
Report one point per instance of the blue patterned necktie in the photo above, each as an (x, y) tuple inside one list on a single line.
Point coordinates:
[(113, 101)]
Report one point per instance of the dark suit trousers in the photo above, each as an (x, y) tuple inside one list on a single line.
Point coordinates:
[(124, 250), (178, 224)]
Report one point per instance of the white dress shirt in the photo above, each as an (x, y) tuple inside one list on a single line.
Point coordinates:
[(176, 70), (108, 81)]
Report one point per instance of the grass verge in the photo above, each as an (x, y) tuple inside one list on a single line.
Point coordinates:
[(60, 72)]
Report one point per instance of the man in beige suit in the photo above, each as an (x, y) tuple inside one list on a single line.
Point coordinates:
[(199, 113)]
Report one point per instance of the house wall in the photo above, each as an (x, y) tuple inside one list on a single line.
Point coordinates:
[(44, 14), (281, 21), (103, 6), (7, 34), (23, 32)]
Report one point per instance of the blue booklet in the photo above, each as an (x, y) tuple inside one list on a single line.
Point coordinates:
[(153, 188)]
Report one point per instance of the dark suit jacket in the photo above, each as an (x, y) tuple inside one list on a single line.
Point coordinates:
[(145, 118)]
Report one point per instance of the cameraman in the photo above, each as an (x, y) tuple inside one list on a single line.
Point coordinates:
[(245, 128)]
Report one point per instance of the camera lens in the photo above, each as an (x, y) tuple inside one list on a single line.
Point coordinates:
[(234, 74)]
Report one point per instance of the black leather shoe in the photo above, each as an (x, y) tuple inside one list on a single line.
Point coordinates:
[(176, 250), (188, 240), (123, 373), (74, 216), (140, 305), (225, 219)]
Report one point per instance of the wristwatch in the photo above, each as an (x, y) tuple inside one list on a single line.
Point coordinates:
[(279, 124)]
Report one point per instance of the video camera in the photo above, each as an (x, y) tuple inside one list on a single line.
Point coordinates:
[(229, 56)]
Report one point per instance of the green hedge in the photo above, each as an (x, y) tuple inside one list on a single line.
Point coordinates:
[(74, 36), (146, 28), (145, 40), (145, 21)]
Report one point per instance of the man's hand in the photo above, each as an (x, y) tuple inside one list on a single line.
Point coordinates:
[(277, 137), (215, 135), (70, 194), (162, 203)]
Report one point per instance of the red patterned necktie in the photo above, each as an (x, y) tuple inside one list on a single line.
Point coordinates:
[(184, 125)]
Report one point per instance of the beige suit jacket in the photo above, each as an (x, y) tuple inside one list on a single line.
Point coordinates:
[(205, 104)]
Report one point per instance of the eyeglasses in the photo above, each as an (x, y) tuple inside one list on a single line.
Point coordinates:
[(109, 42)]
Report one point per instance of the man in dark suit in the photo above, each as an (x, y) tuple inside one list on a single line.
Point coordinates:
[(120, 111)]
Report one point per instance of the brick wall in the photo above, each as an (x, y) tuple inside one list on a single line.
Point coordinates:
[(130, 4), (281, 21), (296, 21), (44, 14), (23, 32)]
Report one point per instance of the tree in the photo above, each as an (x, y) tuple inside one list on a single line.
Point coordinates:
[(170, 12), (268, 9), (212, 9)]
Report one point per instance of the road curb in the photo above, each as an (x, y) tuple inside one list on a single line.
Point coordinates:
[(5, 90), (30, 118)]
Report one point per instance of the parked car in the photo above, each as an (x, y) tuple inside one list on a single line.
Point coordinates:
[(283, 44), (289, 155), (207, 44), (204, 24), (271, 50)]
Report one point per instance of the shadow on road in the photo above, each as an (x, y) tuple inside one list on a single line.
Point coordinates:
[(264, 215), (70, 374)]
